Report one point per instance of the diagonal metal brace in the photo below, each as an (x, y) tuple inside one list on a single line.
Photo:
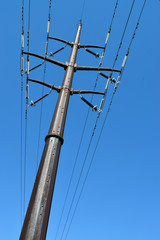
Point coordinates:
[(113, 80), (97, 55), (39, 99), (94, 108)]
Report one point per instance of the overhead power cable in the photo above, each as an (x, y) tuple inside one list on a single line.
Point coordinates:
[(101, 131), (21, 138), (124, 31), (27, 97), (44, 74), (83, 131), (82, 12), (117, 54)]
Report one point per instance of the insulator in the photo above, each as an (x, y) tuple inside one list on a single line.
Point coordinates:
[(27, 66), (22, 64), (48, 27), (124, 61), (107, 38), (46, 48), (27, 91), (101, 105), (107, 84), (22, 39), (102, 58)]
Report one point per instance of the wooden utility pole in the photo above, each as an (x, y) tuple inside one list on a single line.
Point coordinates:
[(37, 216)]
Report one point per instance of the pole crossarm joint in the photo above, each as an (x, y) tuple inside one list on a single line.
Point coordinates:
[(47, 59)]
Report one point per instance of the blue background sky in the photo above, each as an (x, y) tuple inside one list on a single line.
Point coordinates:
[(121, 199)]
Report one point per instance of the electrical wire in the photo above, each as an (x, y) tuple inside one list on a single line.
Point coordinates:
[(137, 24), (117, 54), (101, 131), (21, 127), (83, 131), (82, 12), (26, 111), (124, 31), (105, 45), (44, 74)]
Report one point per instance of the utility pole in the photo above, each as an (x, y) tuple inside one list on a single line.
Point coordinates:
[(37, 216)]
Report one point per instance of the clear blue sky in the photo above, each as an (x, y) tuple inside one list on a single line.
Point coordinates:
[(121, 199)]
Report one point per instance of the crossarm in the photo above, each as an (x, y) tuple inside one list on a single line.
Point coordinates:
[(46, 59)]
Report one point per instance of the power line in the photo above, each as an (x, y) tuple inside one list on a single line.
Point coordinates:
[(85, 125), (82, 12), (117, 54), (44, 74), (124, 31), (137, 24), (26, 111), (100, 64), (21, 136), (108, 110)]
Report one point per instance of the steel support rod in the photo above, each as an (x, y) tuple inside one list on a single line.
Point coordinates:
[(37, 216)]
